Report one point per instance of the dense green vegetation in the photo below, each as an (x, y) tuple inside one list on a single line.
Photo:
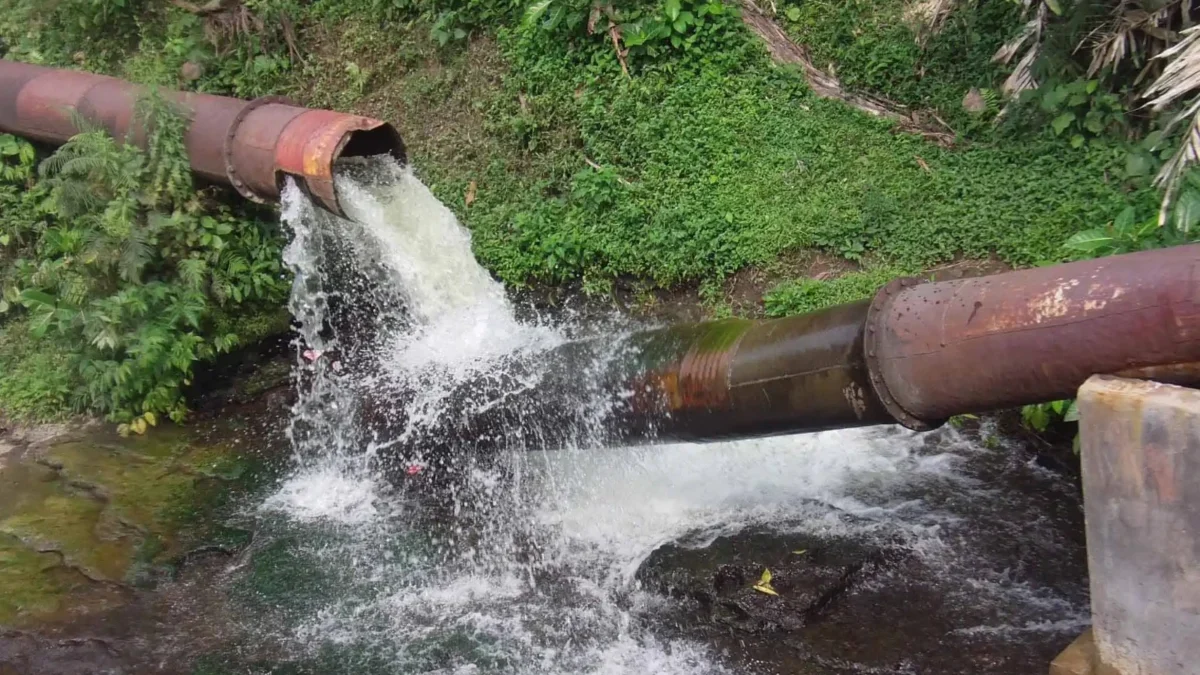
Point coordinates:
[(648, 141), (118, 276)]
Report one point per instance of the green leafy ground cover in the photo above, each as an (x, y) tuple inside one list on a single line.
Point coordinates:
[(679, 161)]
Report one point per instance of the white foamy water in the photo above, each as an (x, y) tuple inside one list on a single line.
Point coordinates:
[(527, 562)]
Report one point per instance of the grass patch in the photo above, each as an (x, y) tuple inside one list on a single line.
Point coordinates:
[(871, 46), (809, 295), (706, 160), (35, 383)]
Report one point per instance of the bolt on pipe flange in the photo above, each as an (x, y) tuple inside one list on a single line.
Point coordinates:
[(883, 299), (231, 136)]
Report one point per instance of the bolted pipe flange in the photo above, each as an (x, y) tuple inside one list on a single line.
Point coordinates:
[(227, 149), (883, 299)]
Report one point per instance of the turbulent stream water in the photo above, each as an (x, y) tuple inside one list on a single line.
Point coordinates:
[(527, 560)]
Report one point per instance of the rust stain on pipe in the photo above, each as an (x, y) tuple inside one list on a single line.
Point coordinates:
[(751, 378), (1035, 335), (919, 353), (250, 145)]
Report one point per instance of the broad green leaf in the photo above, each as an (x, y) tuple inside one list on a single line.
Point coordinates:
[(1072, 414), (1077, 141), (1063, 121), (535, 11), (151, 419), (1187, 210), (1125, 219), (1088, 241), (1138, 164), (1055, 6), (672, 8), (31, 297), (793, 13)]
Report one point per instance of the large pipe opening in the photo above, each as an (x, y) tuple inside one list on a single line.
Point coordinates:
[(382, 140)]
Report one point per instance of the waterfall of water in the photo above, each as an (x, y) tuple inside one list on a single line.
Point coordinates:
[(530, 564)]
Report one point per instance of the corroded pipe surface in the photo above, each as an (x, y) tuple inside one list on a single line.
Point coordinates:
[(250, 145), (1034, 335), (919, 353), (753, 378)]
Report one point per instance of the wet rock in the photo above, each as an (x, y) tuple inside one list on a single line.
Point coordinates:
[(85, 515), (191, 71), (22, 653), (809, 573), (973, 102)]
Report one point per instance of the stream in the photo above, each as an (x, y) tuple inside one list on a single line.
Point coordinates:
[(400, 537)]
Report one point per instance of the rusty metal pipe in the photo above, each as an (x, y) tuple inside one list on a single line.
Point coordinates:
[(972, 345), (752, 378), (919, 353), (250, 145), (916, 354)]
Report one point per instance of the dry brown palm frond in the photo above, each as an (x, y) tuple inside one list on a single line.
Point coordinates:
[(1179, 81), (927, 17), (1187, 155), (227, 21), (1030, 40), (1181, 74), (1133, 31)]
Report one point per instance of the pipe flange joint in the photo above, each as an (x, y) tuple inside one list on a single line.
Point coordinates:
[(871, 337), (227, 149)]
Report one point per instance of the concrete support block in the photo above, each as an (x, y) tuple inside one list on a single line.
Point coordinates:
[(1078, 659), (1140, 443)]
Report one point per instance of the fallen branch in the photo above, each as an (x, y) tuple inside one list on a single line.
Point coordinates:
[(826, 85), (211, 7), (615, 34)]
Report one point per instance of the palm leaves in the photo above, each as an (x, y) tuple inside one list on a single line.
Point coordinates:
[(1178, 84), (1133, 32), (1157, 38)]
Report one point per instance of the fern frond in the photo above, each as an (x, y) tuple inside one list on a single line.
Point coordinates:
[(136, 253), (192, 272)]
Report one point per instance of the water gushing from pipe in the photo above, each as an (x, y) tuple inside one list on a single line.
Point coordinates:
[(529, 564)]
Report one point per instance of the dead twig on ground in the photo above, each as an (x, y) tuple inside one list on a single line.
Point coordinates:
[(826, 85)]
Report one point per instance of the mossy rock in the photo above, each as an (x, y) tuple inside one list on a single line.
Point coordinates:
[(83, 520)]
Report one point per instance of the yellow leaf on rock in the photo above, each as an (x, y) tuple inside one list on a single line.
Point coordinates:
[(765, 589), (764, 584)]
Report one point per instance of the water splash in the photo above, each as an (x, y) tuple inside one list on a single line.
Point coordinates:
[(527, 562)]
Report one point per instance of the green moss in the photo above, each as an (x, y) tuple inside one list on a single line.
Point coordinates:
[(78, 526), (28, 585), (113, 510)]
